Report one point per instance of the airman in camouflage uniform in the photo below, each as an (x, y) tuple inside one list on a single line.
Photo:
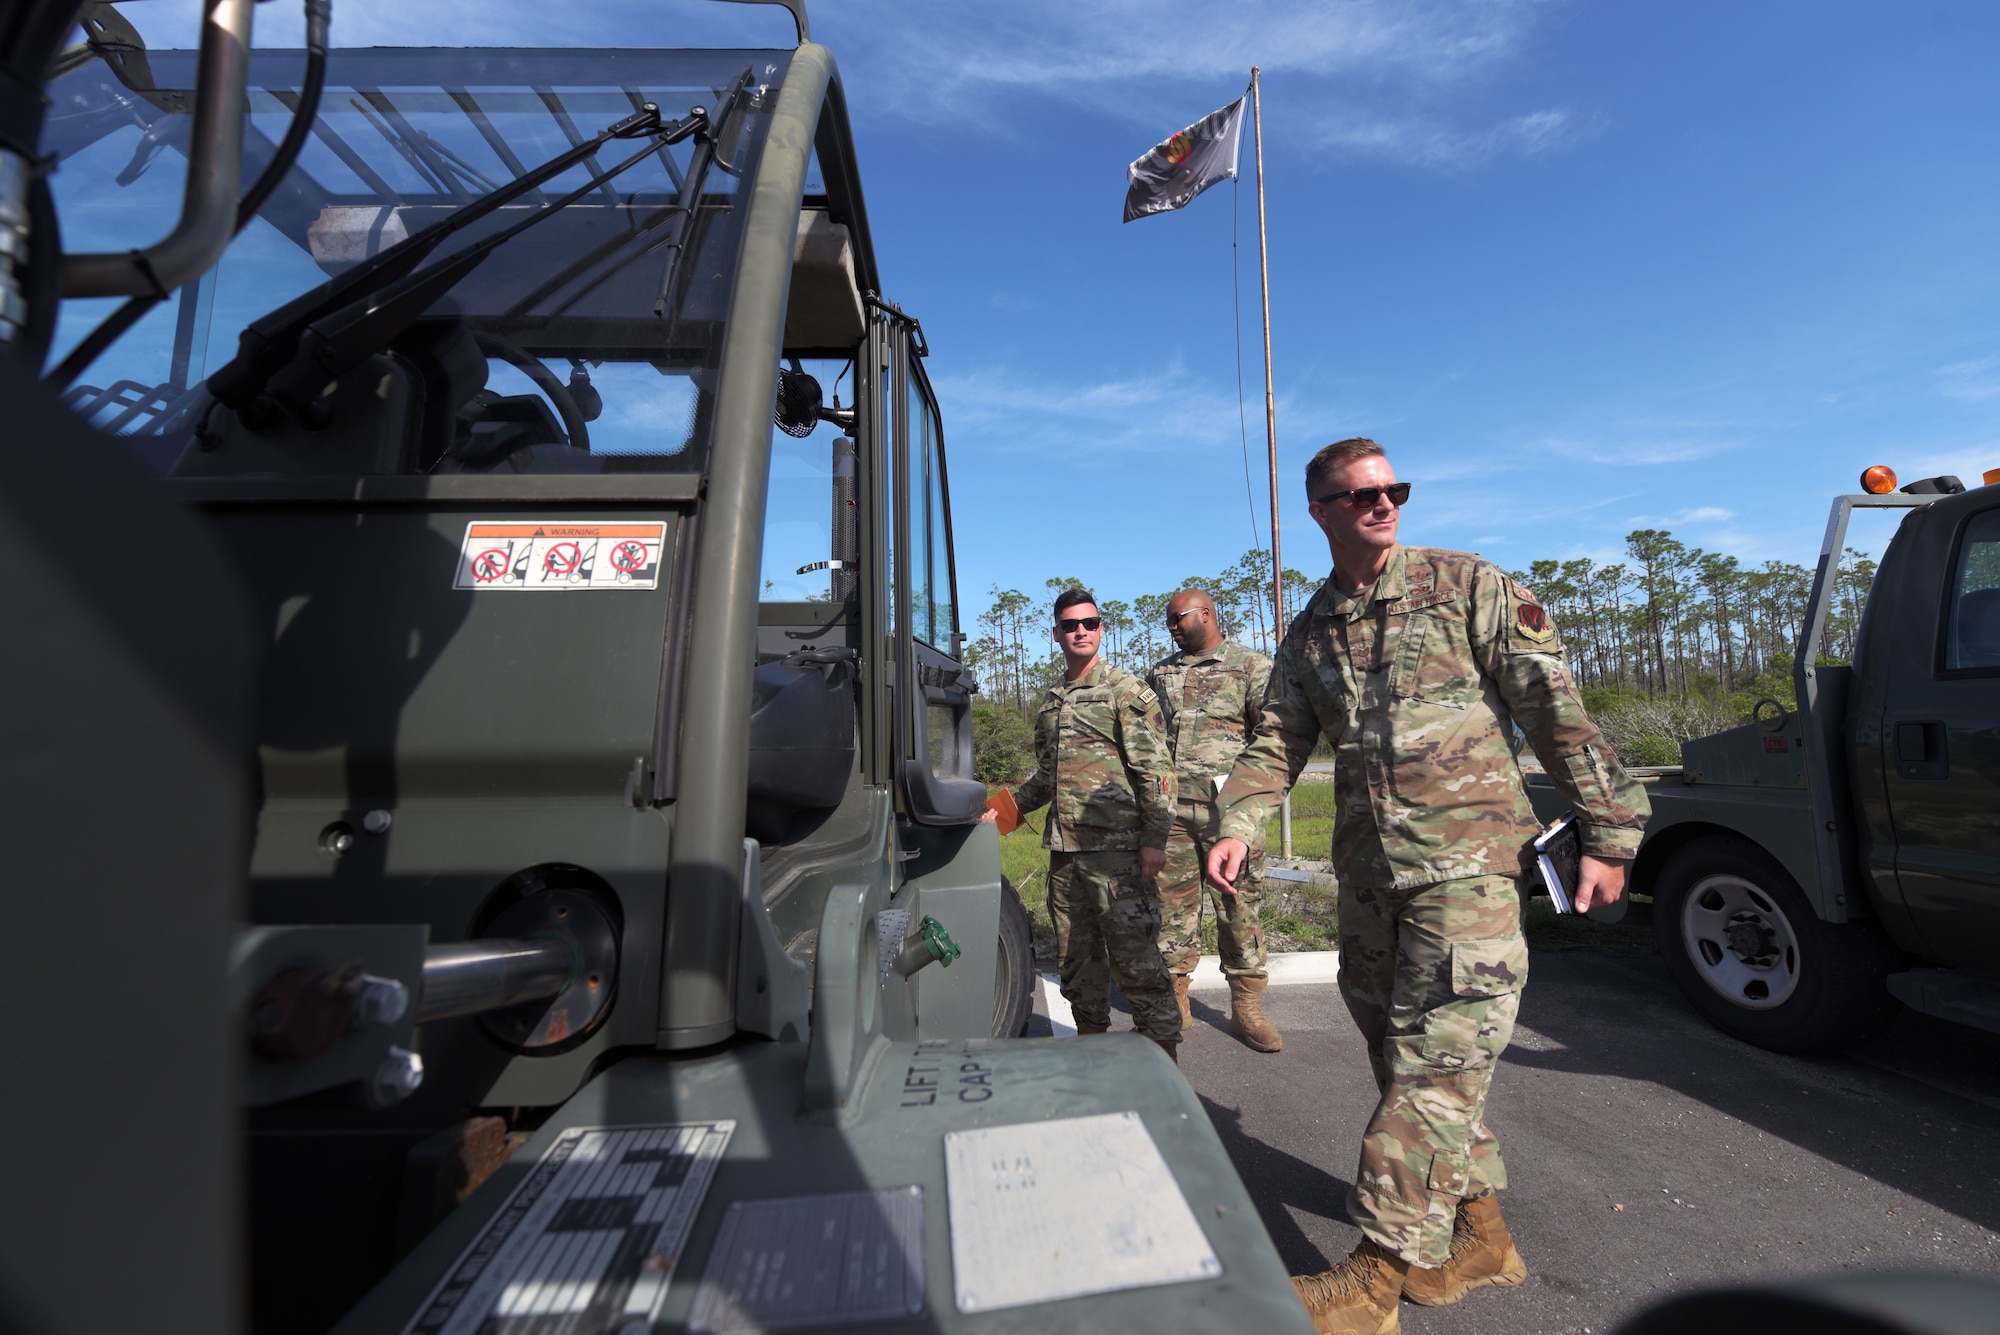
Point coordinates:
[(1418, 679), (1102, 761), (1212, 693)]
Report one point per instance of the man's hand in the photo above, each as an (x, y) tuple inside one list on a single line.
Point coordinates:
[(1151, 862), (989, 817), (1225, 860), (1598, 881)]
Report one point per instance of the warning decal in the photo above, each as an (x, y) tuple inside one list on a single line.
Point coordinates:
[(554, 554)]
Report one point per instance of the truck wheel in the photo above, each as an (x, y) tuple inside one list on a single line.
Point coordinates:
[(1014, 968), (1746, 948)]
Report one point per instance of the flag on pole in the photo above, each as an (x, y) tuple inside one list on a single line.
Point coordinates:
[(1171, 174)]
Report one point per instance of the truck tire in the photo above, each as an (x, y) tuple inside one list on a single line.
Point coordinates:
[(1013, 968), (1746, 949)]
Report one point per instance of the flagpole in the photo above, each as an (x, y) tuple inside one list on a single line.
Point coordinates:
[(1270, 392), (1270, 422)]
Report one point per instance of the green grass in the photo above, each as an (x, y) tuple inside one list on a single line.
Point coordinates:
[(1298, 916), (1295, 916)]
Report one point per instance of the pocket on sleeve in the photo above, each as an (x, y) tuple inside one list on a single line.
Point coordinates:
[(1489, 968)]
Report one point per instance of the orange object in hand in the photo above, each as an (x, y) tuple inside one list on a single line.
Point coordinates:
[(1001, 804)]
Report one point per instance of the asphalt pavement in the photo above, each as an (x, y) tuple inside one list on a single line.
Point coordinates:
[(1649, 1153)]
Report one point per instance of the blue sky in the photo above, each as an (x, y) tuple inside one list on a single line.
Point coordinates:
[(1582, 267)]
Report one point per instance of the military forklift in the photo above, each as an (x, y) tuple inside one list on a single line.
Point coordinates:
[(489, 756)]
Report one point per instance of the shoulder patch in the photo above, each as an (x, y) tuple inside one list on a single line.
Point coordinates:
[(1529, 625), (1146, 696)]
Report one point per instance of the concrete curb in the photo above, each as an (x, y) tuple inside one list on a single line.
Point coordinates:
[(1286, 968)]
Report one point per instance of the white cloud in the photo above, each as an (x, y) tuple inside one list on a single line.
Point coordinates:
[(1602, 450), (1157, 412), (1155, 64), (1075, 50), (1973, 381), (1431, 143)]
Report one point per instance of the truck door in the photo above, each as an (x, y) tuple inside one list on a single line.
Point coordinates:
[(933, 690), (1942, 762)]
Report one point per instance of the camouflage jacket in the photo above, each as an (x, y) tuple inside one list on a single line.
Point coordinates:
[(1212, 699), (1416, 682), (1101, 756)]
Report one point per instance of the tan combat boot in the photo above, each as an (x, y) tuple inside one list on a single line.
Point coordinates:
[(1246, 1015), (1086, 1027), (1482, 1256), (1180, 995), (1358, 1296)]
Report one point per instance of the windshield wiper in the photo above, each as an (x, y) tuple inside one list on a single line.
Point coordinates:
[(286, 358), (729, 121)]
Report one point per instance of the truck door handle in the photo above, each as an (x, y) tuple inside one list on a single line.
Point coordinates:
[(1920, 750)]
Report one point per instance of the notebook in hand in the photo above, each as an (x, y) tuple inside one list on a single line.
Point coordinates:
[(1559, 855)]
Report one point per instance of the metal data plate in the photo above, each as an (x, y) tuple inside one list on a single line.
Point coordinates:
[(835, 1260), (588, 1242), (1047, 1210)]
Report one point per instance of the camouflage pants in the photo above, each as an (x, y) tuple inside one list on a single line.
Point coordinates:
[(1433, 976), (1238, 934), (1108, 927)]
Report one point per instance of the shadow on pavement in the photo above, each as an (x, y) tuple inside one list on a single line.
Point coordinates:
[(1278, 1180), (1907, 1111)]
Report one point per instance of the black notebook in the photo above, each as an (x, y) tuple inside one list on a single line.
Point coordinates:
[(1559, 858), (1559, 854)]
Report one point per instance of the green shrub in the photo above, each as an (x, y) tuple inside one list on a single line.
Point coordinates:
[(1651, 749), (1003, 743)]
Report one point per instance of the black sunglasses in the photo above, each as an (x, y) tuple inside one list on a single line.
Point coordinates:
[(1069, 624), (1364, 498)]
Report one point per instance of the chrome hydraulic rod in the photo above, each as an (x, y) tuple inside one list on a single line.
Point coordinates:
[(215, 164), (468, 977)]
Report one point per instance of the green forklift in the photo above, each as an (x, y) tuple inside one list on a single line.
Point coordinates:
[(489, 735)]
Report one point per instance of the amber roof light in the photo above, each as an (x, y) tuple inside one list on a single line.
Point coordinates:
[(1879, 480)]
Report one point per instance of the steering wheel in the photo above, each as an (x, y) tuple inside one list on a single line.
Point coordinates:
[(559, 397)]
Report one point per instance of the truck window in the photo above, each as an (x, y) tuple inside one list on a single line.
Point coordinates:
[(930, 543), (1973, 635), (799, 514)]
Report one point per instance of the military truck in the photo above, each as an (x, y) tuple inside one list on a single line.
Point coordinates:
[(1815, 868), (548, 536)]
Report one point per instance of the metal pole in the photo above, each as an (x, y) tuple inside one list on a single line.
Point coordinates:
[(469, 977), (214, 162), (1270, 423), (1270, 391)]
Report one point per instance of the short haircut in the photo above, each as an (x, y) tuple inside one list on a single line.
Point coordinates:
[(1069, 598), (1337, 456)]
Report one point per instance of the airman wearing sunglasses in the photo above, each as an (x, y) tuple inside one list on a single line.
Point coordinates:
[(1417, 664), (1102, 760), (1212, 692)]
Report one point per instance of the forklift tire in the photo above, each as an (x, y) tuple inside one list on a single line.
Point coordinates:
[(1013, 968), (1747, 950)]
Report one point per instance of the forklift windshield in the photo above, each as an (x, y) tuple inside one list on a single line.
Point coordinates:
[(612, 310)]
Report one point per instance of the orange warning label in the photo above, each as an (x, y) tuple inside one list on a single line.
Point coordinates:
[(560, 554)]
